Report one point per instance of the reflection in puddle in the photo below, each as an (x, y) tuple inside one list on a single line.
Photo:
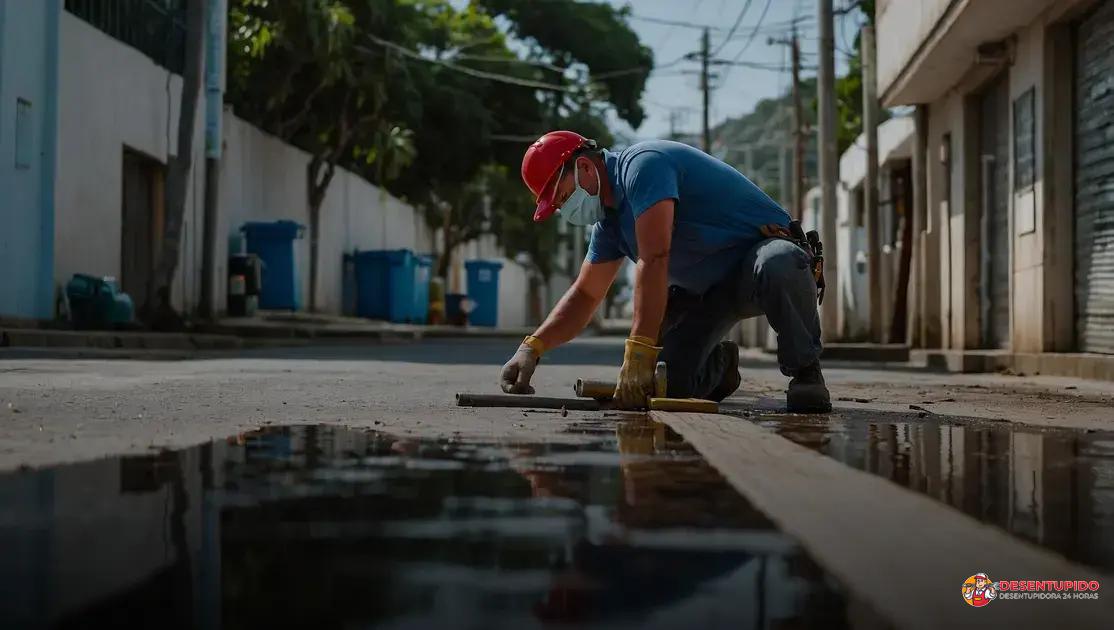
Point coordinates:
[(325, 527), (1052, 487)]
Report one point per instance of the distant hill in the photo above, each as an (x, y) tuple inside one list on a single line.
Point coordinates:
[(767, 128)]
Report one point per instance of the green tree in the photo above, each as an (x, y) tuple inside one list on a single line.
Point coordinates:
[(596, 35), (465, 119), (296, 69), (431, 101)]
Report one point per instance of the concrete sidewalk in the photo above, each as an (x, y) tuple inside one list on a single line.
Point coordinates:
[(1071, 364), (316, 325), (124, 340), (264, 331)]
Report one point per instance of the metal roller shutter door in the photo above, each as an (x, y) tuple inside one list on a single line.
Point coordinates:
[(1094, 181)]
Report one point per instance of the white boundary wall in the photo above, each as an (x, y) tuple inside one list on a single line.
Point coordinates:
[(112, 97)]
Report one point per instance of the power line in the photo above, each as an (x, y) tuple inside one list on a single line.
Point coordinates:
[(636, 69), (779, 26), (754, 33), (507, 79), (681, 23), (757, 65), (479, 74), (750, 39), (673, 28), (513, 60), (734, 27)]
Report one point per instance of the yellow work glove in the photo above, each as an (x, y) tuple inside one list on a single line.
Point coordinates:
[(516, 375), (636, 377)]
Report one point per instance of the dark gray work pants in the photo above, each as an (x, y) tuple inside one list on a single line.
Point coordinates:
[(773, 279)]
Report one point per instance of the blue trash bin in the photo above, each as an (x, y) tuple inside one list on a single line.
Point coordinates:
[(483, 290), (273, 242), (385, 285), (423, 267)]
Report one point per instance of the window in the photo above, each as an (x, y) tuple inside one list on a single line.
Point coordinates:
[(1024, 141)]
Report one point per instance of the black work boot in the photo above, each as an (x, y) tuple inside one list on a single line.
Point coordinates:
[(808, 393), (731, 379)]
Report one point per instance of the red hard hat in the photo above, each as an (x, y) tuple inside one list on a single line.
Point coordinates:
[(543, 161)]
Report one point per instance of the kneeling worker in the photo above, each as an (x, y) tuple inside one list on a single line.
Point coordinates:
[(711, 249)]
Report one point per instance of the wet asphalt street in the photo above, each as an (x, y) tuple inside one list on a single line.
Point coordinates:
[(337, 486)]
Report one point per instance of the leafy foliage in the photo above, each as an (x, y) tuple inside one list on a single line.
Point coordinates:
[(593, 34), (339, 79)]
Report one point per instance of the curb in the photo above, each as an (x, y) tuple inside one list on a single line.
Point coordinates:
[(873, 352), (120, 340), (1071, 364)]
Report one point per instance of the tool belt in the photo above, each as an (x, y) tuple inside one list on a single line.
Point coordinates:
[(809, 242)]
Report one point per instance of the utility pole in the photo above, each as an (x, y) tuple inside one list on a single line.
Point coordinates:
[(870, 185), (214, 113), (798, 133), (795, 199), (829, 165), (783, 173), (705, 44)]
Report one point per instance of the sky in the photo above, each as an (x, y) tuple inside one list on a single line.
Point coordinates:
[(673, 95), (738, 90)]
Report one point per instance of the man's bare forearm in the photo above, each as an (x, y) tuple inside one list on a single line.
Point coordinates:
[(568, 318), (650, 296)]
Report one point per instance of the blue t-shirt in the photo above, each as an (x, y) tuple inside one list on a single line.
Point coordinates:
[(716, 218)]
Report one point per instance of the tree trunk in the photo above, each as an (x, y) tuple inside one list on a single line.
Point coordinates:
[(444, 263), (319, 173), (158, 311)]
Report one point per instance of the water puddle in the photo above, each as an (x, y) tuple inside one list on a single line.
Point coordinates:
[(1050, 486), (327, 527)]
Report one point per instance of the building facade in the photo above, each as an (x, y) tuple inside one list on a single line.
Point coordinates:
[(894, 232), (1012, 168)]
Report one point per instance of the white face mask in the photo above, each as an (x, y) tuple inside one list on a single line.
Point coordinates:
[(581, 208)]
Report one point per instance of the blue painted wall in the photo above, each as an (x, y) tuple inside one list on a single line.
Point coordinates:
[(28, 95)]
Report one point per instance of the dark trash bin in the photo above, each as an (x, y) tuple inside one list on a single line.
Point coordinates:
[(245, 280)]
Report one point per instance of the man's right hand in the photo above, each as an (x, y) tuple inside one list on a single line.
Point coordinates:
[(518, 371)]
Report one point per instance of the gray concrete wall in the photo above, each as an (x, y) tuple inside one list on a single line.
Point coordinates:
[(111, 96)]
